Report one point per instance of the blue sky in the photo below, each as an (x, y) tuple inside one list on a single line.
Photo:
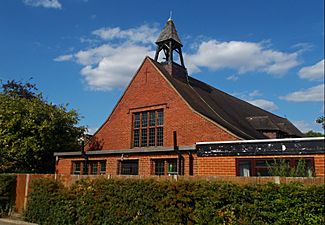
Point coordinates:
[(270, 53)]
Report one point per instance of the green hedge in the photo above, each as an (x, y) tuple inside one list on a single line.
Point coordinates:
[(7, 193), (131, 201)]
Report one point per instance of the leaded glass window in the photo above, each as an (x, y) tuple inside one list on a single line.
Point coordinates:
[(129, 167), (148, 128)]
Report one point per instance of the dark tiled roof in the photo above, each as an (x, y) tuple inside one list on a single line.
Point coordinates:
[(239, 117), (169, 32), (262, 123)]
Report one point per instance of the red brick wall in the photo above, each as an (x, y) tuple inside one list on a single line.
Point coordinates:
[(63, 166), (145, 163), (216, 166), (150, 90), (226, 165), (319, 161), (203, 166)]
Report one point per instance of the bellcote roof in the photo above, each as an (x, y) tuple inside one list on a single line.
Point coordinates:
[(169, 33)]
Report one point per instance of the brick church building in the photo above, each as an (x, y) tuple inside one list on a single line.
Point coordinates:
[(168, 123)]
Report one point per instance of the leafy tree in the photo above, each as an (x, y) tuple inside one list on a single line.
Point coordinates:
[(313, 134), (31, 129), (17, 88)]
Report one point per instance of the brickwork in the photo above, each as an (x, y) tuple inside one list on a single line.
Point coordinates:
[(145, 93), (319, 161), (226, 165), (64, 165), (202, 166), (216, 166)]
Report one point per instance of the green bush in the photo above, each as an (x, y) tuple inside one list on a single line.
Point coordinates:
[(148, 201), (50, 203), (7, 193)]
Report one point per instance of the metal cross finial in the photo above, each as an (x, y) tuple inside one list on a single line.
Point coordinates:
[(170, 15)]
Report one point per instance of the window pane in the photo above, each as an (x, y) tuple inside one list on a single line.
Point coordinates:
[(152, 136), (275, 167), (303, 168), (264, 163), (102, 165), (152, 118), (76, 168), (172, 166), (144, 119), (129, 167), (93, 168), (244, 169), (144, 137), (160, 136), (159, 167), (310, 169), (136, 138), (136, 120), (84, 168), (262, 172), (160, 118)]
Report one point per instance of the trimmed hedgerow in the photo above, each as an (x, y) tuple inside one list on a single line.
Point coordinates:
[(7, 193), (50, 203), (146, 201)]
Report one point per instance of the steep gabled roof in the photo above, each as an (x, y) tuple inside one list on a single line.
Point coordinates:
[(169, 33), (239, 117)]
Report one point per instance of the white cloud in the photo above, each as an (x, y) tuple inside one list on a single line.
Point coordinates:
[(144, 34), (112, 65), (107, 67), (264, 104), (242, 56), (44, 3), (303, 47), (94, 55), (255, 93), (302, 126), (314, 72), (232, 78), (115, 69), (62, 58), (313, 94)]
